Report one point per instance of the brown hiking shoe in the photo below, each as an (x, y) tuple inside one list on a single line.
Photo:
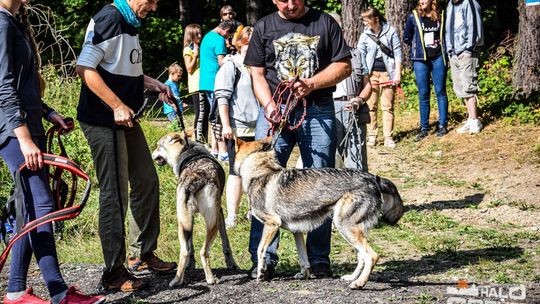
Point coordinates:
[(152, 263), (121, 279)]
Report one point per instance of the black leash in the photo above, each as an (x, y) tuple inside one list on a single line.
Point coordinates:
[(59, 187), (15, 204)]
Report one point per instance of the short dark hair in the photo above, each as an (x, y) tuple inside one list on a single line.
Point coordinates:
[(228, 26)]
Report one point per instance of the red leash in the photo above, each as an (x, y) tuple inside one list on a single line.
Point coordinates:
[(399, 89), (278, 119), (16, 203)]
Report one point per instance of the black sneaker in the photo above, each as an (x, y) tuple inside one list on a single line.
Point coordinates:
[(267, 275), (421, 135), (442, 131), (321, 271)]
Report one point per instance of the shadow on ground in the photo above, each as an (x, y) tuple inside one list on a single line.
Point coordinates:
[(467, 202)]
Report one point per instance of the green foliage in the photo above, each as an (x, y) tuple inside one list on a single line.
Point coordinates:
[(378, 4), (160, 53), (326, 6), (497, 97)]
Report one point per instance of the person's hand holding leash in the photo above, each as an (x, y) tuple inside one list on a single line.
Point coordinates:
[(167, 97), (227, 132), (302, 87), (354, 104), (122, 115)]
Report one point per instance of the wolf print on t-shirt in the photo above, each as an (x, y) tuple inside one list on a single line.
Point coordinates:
[(296, 55)]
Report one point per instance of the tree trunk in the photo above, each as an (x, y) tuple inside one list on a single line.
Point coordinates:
[(396, 13), (254, 9), (183, 12), (351, 21), (526, 74)]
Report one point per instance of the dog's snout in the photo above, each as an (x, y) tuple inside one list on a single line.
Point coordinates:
[(158, 158)]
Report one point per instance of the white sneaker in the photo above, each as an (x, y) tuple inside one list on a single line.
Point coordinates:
[(465, 128), (475, 126), (372, 141)]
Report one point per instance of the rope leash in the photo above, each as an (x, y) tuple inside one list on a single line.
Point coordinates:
[(15, 203), (278, 119)]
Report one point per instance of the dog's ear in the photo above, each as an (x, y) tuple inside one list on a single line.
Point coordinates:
[(174, 137)]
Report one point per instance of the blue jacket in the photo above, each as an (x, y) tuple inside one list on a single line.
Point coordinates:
[(414, 36)]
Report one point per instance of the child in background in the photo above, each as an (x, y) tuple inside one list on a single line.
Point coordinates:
[(175, 72)]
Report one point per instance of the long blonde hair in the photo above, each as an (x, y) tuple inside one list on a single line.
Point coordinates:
[(435, 11), (190, 33)]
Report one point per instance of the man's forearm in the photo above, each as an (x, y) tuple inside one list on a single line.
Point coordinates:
[(97, 85), (262, 91), (332, 74)]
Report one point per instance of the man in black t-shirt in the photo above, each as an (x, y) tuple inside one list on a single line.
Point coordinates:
[(299, 41)]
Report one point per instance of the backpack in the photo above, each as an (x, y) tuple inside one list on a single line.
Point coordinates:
[(214, 111)]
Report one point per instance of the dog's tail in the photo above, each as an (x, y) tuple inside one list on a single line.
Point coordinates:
[(392, 207)]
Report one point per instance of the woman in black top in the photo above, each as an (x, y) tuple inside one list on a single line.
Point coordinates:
[(424, 31), (21, 142)]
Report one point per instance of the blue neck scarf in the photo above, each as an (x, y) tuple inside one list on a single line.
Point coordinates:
[(127, 13)]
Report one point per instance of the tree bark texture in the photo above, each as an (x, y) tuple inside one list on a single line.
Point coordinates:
[(351, 20), (254, 10), (190, 12), (526, 74), (396, 14)]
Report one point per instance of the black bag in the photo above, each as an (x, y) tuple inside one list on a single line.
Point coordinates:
[(386, 50)]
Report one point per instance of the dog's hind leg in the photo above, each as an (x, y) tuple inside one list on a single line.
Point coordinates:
[(185, 228), (191, 251), (305, 270), (227, 252), (271, 227), (211, 233)]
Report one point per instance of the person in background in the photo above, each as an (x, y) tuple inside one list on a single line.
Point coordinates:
[(113, 83), (379, 44), (228, 13), (352, 112), (298, 33), (424, 31), (238, 109), (22, 141), (192, 40), (175, 72), (213, 50), (464, 39)]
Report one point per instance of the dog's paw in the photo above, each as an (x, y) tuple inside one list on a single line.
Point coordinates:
[(347, 277), (230, 222), (176, 282), (212, 281), (358, 284), (304, 274)]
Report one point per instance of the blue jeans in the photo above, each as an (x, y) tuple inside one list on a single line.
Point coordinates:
[(316, 140), (437, 70), (40, 241)]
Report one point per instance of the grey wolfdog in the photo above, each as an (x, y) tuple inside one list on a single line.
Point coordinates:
[(300, 200), (200, 186)]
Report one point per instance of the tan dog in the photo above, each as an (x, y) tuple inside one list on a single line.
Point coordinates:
[(200, 186), (300, 200)]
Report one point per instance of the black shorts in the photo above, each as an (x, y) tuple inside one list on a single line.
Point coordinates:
[(231, 150)]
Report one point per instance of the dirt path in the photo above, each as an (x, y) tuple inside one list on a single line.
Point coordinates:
[(490, 181)]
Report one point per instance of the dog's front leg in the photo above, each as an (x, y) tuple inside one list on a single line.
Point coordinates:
[(305, 270), (185, 228), (269, 231)]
